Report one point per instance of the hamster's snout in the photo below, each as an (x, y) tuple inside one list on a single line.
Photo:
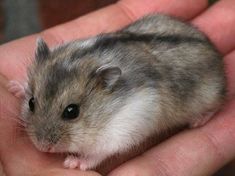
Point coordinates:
[(45, 138)]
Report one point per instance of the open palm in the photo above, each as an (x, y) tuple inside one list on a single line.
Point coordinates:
[(196, 152)]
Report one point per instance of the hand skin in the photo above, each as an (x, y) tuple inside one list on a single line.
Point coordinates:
[(195, 152)]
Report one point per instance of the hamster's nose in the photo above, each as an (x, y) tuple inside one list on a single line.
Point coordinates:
[(47, 137)]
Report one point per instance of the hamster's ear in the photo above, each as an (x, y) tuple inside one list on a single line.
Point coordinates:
[(42, 51), (109, 75)]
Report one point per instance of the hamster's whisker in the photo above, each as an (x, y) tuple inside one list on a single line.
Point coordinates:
[(30, 132), (20, 128), (18, 120), (24, 137), (21, 121)]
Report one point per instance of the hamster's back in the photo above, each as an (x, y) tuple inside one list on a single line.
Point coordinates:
[(171, 56), (176, 58), (163, 24)]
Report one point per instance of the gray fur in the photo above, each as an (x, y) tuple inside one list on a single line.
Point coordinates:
[(42, 51), (157, 52)]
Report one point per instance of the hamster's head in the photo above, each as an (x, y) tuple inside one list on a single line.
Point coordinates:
[(68, 101)]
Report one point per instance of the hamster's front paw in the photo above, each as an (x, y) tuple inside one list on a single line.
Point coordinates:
[(16, 88), (71, 162)]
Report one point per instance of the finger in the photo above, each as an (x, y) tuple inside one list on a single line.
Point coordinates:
[(121, 14), (183, 9), (229, 61), (65, 172), (195, 152), (219, 23), (18, 54)]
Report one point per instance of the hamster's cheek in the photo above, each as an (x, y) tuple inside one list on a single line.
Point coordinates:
[(35, 143)]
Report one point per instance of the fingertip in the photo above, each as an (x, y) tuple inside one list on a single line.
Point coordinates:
[(67, 172), (230, 73), (218, 22), (184, 8), (117, 15)]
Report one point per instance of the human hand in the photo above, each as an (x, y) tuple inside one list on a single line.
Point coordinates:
[(194, 152)]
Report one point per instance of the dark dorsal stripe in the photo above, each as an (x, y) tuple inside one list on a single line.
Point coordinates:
[(106, 41)]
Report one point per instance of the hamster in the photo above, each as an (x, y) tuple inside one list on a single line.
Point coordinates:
[(103, 96)]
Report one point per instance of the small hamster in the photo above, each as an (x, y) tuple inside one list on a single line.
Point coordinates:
[(105, 95)]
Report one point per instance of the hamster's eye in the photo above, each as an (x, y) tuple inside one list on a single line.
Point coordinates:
[(31, 104), (71, 112)]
